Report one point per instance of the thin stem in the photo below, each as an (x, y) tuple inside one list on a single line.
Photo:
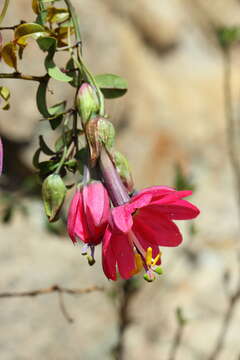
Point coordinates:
[(224, 328), (4, 10), (17, 75), (229, 114), (112, 180)]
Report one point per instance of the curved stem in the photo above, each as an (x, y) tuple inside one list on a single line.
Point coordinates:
[(112, 180), (17, 75)]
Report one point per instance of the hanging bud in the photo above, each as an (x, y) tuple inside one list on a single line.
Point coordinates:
[(93, 139), (87, 102), (106, 132), (123, 169), (53, 193), (99, 131)]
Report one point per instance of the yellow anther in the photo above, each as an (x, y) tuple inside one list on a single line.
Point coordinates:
[(156, 260), (138, 264), (149, 256)]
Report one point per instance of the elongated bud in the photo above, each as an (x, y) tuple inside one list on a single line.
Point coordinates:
[(99, 131), (106, 132), (87, 102), (53, 194), (123, 169)]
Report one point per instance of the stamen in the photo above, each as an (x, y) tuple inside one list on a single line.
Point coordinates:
[(149, 256), (138, 262), (149, 276), (84, 249), (154, 262)]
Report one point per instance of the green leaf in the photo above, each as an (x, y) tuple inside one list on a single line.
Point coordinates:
[(228, 35), (5, 95), (57, 15), (36, 157), (44, 147), (24, 31), (41, 98), (112, 86), (45, 43), (63, 140), (9, 54), (57, 108), (52, 68), (76, 76)]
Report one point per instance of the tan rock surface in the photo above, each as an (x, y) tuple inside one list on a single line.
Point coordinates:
[(172, 113)]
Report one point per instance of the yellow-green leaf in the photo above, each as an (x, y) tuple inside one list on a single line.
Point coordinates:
[(24, 31), (35, 6), (9, 54), (5, 95), (57, 15)]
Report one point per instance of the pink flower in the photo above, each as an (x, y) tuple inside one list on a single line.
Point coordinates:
[(88, 214), (139, 227)]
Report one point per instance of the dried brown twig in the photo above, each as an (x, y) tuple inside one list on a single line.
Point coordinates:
[(233, 300), (53, 289)]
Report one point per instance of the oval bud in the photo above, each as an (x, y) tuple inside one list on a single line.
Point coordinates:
[(53, 194), (106, 132), (87, 102)]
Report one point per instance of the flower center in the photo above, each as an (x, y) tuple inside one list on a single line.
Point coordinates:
[(144, 259)]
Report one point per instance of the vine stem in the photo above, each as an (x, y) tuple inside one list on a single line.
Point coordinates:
[(19, 76), (229, 115)]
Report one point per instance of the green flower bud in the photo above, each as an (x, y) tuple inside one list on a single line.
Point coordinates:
[(87, 102), (53, 194), (123, 169), (106, 132)]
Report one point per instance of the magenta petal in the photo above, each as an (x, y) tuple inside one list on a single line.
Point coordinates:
[(1, 157), (157, 228), (139, 201), (108, 257), (72, 215), (146, 243), (123, 251), (179, 210), (121, 219), (96, 203)]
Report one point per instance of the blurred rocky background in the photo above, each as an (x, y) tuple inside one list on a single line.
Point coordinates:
[(172, 117)]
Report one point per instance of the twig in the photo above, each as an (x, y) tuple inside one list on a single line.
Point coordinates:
[(53, 289), (49, 290), (127, 291), (225, 325), (229, 114), (232, 302), (178, 335), (63, 308), (17, 75)]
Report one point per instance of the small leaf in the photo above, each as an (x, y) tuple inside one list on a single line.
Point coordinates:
[(111, 85), (58, 108), (36, 157), (57, 15), (52, 68), (44, 147), (5, 95), (25, 31), (45, 43), (41, 98), (35, 6), (9, 55), (75, 74), (63, 140)]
